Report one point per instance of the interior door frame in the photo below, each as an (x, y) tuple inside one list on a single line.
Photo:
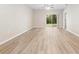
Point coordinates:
[(65, 21)]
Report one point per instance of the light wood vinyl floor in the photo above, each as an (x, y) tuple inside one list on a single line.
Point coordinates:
[(42, 41)]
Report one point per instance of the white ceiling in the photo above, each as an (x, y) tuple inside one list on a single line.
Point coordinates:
[(42, 6)]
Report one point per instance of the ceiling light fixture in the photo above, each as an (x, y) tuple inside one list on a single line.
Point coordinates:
[(47, 8)]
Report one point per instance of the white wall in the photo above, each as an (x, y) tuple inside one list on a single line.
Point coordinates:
[(72, 18), (40, 17), (14, 20), (60, 19)]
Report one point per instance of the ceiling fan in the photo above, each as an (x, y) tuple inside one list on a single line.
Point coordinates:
[(49, 6)]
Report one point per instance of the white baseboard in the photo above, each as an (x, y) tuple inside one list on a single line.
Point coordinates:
[(38, 27), (14, 37), (73, 33)]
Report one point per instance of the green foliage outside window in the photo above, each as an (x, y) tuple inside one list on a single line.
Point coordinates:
[(51, 19)]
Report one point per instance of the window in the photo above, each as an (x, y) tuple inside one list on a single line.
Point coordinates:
[(51, 19)]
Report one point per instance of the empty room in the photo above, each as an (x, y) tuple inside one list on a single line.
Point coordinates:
[(39, 28)]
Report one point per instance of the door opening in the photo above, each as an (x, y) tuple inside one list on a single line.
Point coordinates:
[(51, 20), (65, 21)]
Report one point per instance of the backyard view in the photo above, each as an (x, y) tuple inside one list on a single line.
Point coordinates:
[(51, 20)]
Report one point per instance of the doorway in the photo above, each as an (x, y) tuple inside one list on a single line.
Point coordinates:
[(65, 21), (51, 20)]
